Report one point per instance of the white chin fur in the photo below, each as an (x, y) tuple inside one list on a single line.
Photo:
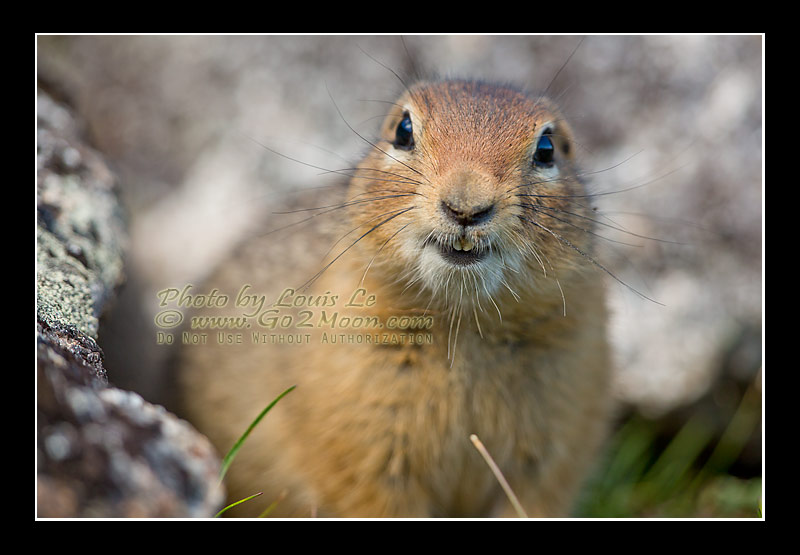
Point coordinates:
[(480, 279)]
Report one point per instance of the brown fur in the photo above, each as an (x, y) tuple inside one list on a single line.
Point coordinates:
[(383, 430)]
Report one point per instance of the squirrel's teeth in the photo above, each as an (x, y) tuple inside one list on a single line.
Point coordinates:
[(463, 244)]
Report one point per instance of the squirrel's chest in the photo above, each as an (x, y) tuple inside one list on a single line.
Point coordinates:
[(440, 408), (406, 416)]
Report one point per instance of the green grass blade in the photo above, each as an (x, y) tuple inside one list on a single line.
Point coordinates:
[(737, 433), (272, 505), (667, 481), (237, 502), (611, 492), (226, 462)]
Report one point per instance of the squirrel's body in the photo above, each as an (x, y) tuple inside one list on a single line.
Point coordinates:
[(468, 218)]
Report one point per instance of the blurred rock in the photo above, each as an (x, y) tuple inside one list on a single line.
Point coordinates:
[(106, 453), (101, 451)]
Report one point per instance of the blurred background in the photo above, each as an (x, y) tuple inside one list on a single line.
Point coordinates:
[(670, 133)]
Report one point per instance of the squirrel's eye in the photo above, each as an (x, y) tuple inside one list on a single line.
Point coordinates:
[(404, 134), (545, 151)]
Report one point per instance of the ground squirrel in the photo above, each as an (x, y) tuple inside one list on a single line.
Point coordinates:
[(454, 289)]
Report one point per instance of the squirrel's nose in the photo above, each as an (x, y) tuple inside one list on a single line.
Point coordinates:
[(466, 214)]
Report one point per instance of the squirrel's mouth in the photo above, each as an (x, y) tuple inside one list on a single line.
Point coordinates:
[(460, 251)]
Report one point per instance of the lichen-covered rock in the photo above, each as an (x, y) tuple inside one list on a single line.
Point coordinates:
[(101, 451), (80, 227)]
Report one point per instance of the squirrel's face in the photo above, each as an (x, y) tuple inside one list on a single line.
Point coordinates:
[(468, 187)]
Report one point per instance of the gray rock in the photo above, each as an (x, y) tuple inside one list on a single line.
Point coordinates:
[(101, 451)]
